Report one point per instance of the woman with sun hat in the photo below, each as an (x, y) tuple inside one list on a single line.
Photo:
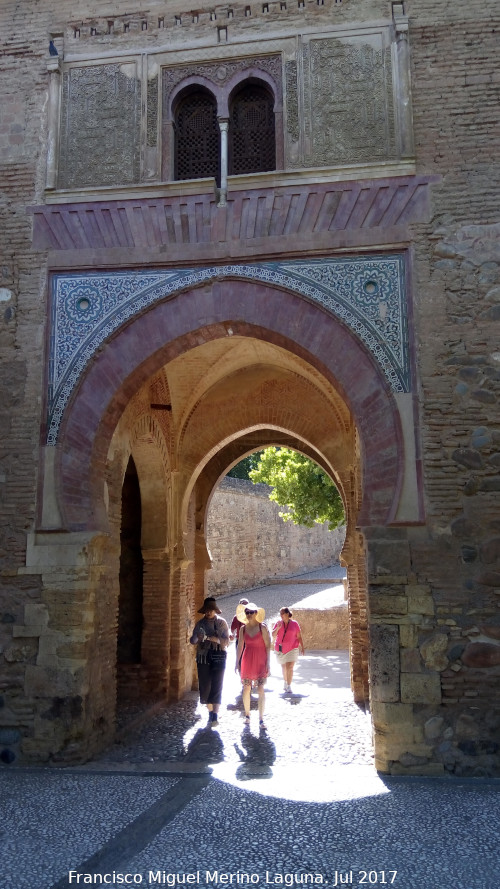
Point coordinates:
[(254, 646)]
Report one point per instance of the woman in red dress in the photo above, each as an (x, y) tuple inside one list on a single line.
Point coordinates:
[(254, 646)]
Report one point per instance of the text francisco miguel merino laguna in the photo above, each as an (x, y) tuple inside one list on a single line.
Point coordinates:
[(203, 878)]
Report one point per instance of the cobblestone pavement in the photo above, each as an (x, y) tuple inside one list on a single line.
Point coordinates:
[(177, 804), (319, 722)]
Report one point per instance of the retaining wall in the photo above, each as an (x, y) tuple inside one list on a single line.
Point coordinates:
[(251, 544)]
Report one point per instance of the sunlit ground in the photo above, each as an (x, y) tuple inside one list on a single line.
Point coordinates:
[(307, 783), (328, 597), (317, 744)]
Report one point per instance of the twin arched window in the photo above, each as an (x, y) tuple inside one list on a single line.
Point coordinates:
[(251, 135)]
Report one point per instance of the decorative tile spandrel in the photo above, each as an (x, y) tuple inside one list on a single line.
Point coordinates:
[(366, 293)]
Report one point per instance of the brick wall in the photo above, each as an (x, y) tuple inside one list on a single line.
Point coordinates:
[(456, 95)]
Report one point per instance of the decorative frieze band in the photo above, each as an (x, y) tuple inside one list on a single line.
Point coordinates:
[(158, 221)]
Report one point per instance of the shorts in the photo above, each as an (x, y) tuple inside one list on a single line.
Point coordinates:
[(287, 657)]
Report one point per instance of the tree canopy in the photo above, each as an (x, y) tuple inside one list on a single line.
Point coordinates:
[(301, 486), (243, 468)]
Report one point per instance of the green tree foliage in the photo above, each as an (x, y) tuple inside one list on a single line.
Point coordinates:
[(243, 468), (299, 484)]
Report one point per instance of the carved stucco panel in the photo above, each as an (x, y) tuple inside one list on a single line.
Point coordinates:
[(219, 73), (100, 126), (292, 140), (348, 99), (152, 112)]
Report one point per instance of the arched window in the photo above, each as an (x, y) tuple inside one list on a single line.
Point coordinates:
[(197, 138), (252, 139)]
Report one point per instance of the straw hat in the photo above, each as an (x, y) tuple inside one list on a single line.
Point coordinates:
[(250, 606)]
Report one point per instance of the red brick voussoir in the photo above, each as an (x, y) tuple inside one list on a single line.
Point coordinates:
[(172, 327)]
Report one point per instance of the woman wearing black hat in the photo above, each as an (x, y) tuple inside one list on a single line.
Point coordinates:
[(211, 637)]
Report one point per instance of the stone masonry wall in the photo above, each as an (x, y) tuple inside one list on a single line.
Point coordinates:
[(325, 629), (449, 637), (250, 544)]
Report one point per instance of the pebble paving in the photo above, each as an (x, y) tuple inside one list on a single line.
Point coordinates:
[(332, 729), (51, 819), (174, 803)]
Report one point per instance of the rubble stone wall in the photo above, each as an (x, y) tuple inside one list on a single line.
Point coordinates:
[(250, 543)]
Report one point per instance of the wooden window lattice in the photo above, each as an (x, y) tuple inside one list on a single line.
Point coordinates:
[(197, 138), (252, 140)]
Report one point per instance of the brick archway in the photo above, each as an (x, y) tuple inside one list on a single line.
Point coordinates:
[(221, 309), (353, 554)]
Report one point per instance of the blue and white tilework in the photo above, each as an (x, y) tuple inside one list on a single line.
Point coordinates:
[(367, 294)]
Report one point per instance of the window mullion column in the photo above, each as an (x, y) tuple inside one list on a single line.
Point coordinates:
[(224, 127)]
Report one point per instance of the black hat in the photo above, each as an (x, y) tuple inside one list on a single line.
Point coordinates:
[(209, 604)]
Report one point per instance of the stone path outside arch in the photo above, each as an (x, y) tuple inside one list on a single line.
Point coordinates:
[(341, 824)]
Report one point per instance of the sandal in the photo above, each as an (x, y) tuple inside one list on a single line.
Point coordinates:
[(247, 720)]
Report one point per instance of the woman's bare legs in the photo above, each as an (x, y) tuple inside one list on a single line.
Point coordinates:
[(262, 702), (246, 699), (287, 670), (283, 670)]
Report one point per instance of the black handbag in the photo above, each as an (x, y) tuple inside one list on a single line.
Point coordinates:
[(217, 657)]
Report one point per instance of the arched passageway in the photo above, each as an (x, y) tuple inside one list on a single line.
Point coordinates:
[(131, 571), (185, 391)]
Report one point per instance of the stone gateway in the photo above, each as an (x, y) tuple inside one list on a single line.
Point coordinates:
[(247, 225)]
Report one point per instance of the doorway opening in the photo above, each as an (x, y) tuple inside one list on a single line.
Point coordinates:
[(130, 600), (194, 400)]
